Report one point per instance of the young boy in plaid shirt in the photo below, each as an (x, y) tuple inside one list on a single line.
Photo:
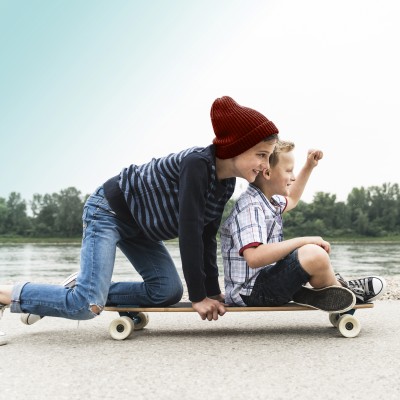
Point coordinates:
[(262, 269)]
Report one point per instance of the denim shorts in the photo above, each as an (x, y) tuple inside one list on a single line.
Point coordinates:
[(275, 285)]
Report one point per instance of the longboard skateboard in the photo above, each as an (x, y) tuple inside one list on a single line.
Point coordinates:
[(136, 318)]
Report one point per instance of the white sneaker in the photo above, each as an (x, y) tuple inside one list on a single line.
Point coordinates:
[(3, 337), (30, 319)]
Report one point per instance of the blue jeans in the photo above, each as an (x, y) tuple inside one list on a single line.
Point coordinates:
[(103, 232)]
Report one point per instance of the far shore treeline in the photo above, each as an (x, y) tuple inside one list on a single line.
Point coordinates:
[(372, 212)]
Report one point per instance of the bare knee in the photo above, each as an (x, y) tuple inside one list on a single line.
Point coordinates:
[(314, 259), (95, 309), (316, 262)]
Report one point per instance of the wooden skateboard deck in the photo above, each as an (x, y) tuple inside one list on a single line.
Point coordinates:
[(187, 307), (135, 318)]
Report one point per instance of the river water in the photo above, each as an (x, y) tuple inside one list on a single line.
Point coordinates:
[(51, 263)]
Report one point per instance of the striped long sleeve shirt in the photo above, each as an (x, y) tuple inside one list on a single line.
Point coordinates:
[(180, 196)]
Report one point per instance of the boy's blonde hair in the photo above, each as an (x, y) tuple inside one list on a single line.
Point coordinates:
[(282, 146)]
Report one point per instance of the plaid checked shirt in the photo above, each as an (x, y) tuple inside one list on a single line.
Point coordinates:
[(253, 221)]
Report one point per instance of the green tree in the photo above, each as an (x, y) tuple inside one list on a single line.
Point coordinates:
[(3, 215), (358, 205), (296, 219), (44, 210), (323, 210), (383, 210), (68, 219), (341, 219), (374, 211), (17, 221)]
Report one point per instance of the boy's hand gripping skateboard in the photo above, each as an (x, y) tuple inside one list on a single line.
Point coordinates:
[(136, 318)]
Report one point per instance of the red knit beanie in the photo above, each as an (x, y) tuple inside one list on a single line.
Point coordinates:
[(237, 128)]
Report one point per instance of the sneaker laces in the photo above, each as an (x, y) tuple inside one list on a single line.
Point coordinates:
[(360, 284), (356, 289), (341, 280)]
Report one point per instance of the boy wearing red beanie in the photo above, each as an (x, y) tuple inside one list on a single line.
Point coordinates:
[(181, 195)]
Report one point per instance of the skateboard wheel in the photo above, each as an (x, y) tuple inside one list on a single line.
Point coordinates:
[(140, 321), (334, 319), (121, 328), (349, 326)]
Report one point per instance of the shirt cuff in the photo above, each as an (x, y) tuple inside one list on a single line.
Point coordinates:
[(248, 246)]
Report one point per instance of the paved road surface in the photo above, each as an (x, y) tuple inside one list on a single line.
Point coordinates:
[(285, 355)]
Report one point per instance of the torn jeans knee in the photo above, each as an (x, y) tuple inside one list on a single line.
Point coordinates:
[(96, 309)]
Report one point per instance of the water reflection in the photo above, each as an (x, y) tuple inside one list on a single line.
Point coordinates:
[(51, 263)]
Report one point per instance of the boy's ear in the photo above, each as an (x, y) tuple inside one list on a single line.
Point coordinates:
[(266, 174)]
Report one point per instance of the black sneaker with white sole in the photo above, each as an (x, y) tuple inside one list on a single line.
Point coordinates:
[(29, 319), (330, 299), (366, 289)]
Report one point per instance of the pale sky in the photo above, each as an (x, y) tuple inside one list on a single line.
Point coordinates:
[(89, 87)]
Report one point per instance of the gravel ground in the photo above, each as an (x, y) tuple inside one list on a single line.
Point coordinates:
[(393, 289)]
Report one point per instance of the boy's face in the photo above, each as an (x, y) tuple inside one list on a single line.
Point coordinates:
[(253, 161), (281, 176)]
